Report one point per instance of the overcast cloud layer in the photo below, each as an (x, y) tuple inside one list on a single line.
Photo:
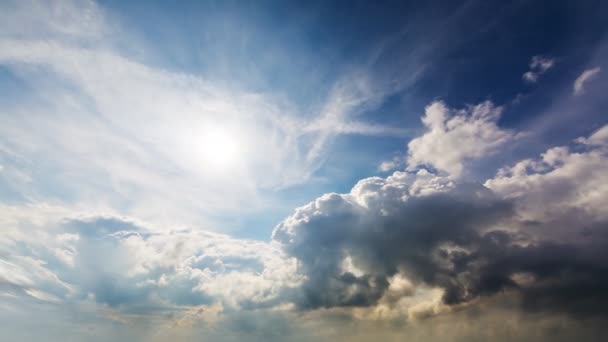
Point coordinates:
[(121, 177)]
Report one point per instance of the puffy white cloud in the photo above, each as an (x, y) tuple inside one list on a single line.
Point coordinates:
[(598, 138), (392, 164), (119, 263), (583, 78), (567, 185), (453, 137)]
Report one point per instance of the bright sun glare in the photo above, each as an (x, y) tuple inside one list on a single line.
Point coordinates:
[(219, 148)]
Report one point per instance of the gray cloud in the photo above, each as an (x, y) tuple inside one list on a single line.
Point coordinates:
[(538, 230), (387, 228)]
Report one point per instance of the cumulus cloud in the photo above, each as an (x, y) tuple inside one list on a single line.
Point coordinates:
[(418, 225), (582, 79), (123, 265), (538, 229), (391, 164), (538, 66), (453, 137), (598, 138), (566, 183), (560, 201)]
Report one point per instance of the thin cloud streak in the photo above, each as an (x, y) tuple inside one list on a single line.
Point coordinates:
[(585, 77)]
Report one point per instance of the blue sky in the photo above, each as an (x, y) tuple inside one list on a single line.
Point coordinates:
[(284, 170)]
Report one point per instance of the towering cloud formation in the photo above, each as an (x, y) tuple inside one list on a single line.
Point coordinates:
[(417, 225), (538, 229)]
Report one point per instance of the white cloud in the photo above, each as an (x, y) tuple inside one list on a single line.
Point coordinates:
[(392, 164), (582, 79), (453, 137), (27, 275), (120, 264), (538, 66), (564, 187), (598, 138), (530, 76)]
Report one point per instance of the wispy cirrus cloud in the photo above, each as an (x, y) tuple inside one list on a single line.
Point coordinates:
[(112, 125)]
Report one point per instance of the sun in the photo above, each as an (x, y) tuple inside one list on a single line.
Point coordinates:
[(219, 148)]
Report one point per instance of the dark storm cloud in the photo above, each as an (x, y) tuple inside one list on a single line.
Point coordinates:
[(414, 237), (568, 277), (454, 238)]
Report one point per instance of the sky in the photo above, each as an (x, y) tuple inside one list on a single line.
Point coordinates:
[(303, 170)]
